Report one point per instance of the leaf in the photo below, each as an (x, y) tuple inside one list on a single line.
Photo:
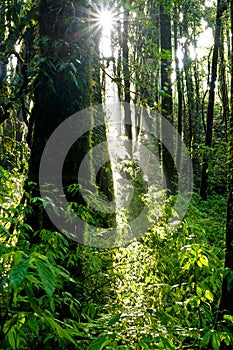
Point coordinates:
[(166, 343), (63, 66), (74, 69), (187, 266), (46, 276), (11, 329), (52, 305), (114, 320), (75, 80), (99, 343), (216, 342), (18, 273), (61, 332), (209, 295), (228, 318), (206, 339), (12, 336), (143, 344), (204, 260), (33, 324)]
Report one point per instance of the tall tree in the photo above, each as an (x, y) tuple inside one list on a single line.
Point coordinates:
[(126, 74), (167, 94), (178, 81), (223, 85), (63, 87), (226, 305), (221, 7)]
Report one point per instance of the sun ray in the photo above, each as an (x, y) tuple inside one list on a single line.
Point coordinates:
[(97, 20), (106, 19)]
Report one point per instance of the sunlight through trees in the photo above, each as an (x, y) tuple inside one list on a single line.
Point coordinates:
[(135, 98)]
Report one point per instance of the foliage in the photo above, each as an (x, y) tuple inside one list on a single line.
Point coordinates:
[(38, 295), (169, 284), (163, 290), (160, 292)]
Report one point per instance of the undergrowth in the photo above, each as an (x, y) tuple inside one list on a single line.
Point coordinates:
[(160, 292)]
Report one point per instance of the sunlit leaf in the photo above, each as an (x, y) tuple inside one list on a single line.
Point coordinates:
[(209, 295), (204, 260)]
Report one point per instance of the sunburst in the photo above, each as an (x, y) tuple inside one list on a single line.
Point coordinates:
[(94, 21)]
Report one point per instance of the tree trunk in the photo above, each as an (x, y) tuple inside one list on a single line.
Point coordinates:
[(190, 68), (62, 88), (221, 7), (226, 305), (179, 85), (167, 103), (223, 85), (126, 77)]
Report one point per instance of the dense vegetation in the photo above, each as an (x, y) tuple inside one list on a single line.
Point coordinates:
[(171, 287)]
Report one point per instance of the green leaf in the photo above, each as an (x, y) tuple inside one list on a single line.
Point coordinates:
[(74, 69), (12, 336), (114, 320), (75, 80), (206, 339), (61, 332), (46, 276), (228, 318), (216, 342), (166, 343), (18, 273), (99, 343), (143, 344), (33, 324), (12, 330)]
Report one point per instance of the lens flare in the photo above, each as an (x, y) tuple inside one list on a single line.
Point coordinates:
[(105, 19)]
